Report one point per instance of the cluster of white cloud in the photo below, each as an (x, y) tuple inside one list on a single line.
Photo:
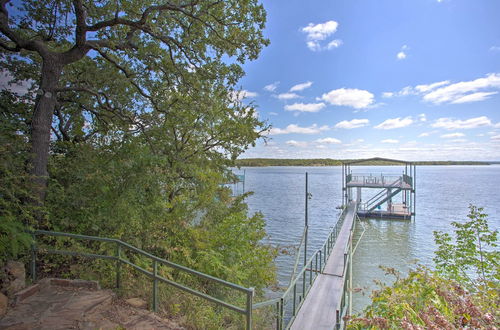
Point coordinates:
[(395, 123), (272, 87), (452, 135), (351, 97), (290, 95), (354, 123), (293, 128), (402, 53), (316, 33), (301, 87), (305, 107), (319, 143), (287, 96), (453, 124), (329, 140), (444, 92)]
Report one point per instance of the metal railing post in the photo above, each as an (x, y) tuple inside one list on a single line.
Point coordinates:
[(155, 286), (118, 265), (304, 275), (33, 259), (310, 274), (278, 315), (282, 312), (294, 298), (316, 263), (250, 293)]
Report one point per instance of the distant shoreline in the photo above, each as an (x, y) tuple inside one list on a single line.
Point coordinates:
[(320, 162)]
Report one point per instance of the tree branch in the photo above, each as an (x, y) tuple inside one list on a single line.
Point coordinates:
[(33, 45)]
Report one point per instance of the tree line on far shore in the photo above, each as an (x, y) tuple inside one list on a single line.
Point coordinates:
[(256, 162)]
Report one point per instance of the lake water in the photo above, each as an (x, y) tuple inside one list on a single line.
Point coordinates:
[(443, 194)]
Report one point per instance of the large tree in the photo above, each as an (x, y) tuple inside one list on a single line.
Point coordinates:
[(103, 62)]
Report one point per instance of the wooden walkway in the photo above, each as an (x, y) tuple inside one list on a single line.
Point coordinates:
[(319, 309)]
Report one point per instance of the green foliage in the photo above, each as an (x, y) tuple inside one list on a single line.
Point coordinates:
[(463, 292), (145, 126), (471, 256), (15, 215), (424, 300)]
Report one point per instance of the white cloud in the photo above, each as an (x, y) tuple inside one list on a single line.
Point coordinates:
[(294, 143), (314, 46), (424, 134), (7, 83), (319, 32), (329, 140), (272, 87), (392, 141), (495, 49), (287, 96), (305, 107), (429, 87), (292, 128), (354, 123), (452, 135), (395, 123), (355, 98), (334, 44), (465, 91), (243, 94), (273, 113), (402, 54), (462, 92), (475, 97), (300, 87), (422, 117), (449, 123), (495, 137)]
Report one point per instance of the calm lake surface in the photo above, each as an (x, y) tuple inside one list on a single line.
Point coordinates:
[(443, 194)]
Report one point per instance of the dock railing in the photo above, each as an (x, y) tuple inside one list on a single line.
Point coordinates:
[(289, 303), (369, 179), (345, 304)]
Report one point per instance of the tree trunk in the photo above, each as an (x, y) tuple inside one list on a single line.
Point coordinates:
[(41, 125)]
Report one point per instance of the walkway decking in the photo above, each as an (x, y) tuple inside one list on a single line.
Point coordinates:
[(319, 308)]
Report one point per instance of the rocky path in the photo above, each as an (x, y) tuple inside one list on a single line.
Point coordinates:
[(64, 304)]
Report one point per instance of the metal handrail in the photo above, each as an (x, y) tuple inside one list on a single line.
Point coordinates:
[(315, 264), (346, 271), (247, 310)]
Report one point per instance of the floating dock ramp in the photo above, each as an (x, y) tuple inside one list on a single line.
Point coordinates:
[(327, 300)]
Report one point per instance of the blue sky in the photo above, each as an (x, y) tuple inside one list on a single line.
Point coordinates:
[(409, 79)]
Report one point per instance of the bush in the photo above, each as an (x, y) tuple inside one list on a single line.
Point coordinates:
[(463, 292)]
